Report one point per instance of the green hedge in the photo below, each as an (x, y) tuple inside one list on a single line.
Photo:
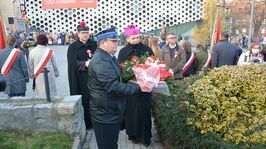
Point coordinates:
[(172, 117)]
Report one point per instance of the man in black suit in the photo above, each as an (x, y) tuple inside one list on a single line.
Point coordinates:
[(224, 53), (107, 91)]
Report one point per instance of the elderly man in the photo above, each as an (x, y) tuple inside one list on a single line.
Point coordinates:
[(78, 56), (138, 111), (107, 92)]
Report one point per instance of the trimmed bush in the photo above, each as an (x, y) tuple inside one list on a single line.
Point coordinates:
[(176, 120), (231, 101)]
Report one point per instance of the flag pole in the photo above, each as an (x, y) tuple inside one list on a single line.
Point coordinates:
[(215, 25), (209, 60)]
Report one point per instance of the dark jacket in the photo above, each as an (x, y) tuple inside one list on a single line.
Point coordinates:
[(106, 89), (224, 53), (127, 52), (77, 72), (192, 69), (176, 63), (18, 76)]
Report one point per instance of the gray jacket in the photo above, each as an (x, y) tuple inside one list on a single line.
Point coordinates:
[(224, 53), (18, 74)]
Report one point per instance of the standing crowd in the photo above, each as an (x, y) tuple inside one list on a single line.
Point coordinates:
[(94, 72)]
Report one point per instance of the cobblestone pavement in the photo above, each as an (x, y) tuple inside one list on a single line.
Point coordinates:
[(63, 90)]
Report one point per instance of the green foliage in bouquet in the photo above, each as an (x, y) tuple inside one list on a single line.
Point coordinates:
[(33, 43), (26, 45), (127, 72), (231, 101)]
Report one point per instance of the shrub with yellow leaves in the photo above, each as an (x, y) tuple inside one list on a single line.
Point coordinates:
[(231, 101)]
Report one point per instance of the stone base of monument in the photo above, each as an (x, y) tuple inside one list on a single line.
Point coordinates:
[(36, 114)]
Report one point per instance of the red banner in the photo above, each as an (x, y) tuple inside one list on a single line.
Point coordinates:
[(57, 4), (2, 40)]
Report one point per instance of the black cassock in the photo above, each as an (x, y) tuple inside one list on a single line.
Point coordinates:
[(138, 109), (78, 53)]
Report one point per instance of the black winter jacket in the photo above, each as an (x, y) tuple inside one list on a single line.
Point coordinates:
[(107, 92)]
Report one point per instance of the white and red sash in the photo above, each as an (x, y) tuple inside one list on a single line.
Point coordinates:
[(209, 60), (9, 61), (43, 62), (189, 62)]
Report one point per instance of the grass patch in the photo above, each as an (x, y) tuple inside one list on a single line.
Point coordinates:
[(34, 140)]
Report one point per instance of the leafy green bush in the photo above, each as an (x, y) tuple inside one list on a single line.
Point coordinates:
[(173, 118), (231, 101)]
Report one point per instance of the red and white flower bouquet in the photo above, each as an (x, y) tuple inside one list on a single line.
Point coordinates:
[(149, 73)]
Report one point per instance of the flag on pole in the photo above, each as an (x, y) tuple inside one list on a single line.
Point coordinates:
[(216, 36), (218, 29), (2, 40)]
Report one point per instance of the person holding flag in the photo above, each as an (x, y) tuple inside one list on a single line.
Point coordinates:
[(14, 68)]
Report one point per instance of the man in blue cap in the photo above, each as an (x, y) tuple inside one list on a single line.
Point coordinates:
[(107, 91)]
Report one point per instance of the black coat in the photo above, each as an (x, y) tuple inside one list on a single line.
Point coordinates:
[(106, 89), (78, 73), (138, 111), (129, 51), (193, 68)]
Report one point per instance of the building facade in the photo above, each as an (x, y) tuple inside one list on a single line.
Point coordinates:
[(145, 14), (238, 16)]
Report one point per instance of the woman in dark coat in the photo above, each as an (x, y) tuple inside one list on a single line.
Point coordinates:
[(138, 110), (78, 57)]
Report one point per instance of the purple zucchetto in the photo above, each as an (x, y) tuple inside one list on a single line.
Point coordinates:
[(131, 30)]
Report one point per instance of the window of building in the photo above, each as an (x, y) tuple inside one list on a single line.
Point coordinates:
[(237, 22)]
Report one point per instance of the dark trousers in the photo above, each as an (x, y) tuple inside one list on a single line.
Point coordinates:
[(106, 135), (13, 95)]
